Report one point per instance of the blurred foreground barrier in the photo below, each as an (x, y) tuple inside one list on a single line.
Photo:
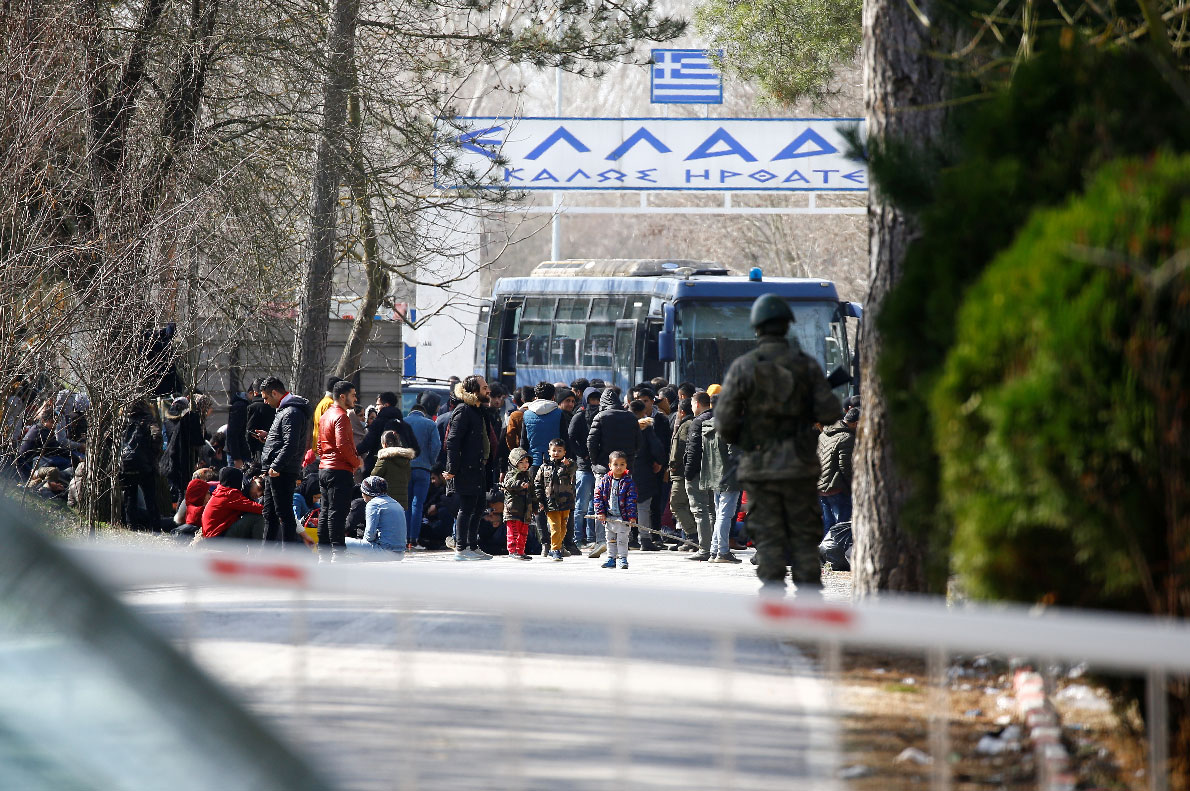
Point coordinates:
[(1151, 647)]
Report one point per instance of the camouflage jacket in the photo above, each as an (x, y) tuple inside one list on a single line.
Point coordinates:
[(771, 398)]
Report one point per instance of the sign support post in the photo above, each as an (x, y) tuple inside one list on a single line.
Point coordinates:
[(556, 220)]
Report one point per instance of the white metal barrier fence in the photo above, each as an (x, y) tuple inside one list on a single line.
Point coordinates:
[(480, 681)]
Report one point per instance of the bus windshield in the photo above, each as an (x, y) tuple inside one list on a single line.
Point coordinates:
[(710, 335)]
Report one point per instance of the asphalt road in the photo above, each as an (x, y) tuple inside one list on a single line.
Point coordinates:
[(440, 700)]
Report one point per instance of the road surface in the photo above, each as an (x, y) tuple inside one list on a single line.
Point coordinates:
[(442, 700)]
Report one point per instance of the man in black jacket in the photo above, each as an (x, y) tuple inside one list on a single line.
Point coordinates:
[(647, 474), (470, 458), (388, 418), (236, 440), (614, 428), (664, 432), (584, 481), (281, 458), (139, 448), (259, 418)]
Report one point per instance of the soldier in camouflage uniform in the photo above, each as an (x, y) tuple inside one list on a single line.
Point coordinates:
[(771, 398)]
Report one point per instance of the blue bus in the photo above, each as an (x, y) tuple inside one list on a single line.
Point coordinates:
[(626, 321)]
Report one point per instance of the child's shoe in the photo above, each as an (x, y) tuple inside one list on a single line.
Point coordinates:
[(556, 554), (523, 556), (610, 563), (623, 563)]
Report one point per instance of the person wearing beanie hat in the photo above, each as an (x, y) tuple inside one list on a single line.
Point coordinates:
[(229, 513), (836, 447), (384, 524), (714, 390)]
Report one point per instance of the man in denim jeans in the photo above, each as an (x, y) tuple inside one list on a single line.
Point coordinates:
[(835, 448), (584, 482)]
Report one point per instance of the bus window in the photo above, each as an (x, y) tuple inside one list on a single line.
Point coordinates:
[(615, 308), (637, 308), (539, 308), (598, 345), (568, 340), (533, 343), (573, 308), (599, 309), (482, 341), (625, 352), (711, 334)]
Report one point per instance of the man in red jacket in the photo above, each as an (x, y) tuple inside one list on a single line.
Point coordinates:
[(229, 514), (337, 463)]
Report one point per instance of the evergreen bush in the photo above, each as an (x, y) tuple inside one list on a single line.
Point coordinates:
[(1061, 416)]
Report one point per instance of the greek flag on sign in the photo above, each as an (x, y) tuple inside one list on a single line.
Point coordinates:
[(685, 76)]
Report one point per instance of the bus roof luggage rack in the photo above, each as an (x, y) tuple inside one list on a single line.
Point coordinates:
[(630, 267)]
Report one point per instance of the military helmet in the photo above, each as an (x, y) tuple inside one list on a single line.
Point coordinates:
[(768, 307)]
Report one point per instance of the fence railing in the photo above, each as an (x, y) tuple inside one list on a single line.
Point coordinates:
[(412, 595)]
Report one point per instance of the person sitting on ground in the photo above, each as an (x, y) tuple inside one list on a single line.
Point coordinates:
[(229, 513), (47, 483), (393, 465), (213, 453), (254, 489), (615, 508), (518, 502), (384, 524), (442, 507), (198, 493), (39, 447), (357, 516), (493, 536), (307, 497), (74, 490)]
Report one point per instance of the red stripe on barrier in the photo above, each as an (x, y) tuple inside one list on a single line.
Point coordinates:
[(782, 611), (265, 571)]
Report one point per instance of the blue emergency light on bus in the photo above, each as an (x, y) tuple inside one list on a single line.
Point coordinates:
[(628, 320)]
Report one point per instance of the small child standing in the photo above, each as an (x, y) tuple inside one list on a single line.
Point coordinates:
[(615, 507), (555, 493), (518, 502)]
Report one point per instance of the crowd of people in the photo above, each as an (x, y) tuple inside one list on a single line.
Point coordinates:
[(557, 470)]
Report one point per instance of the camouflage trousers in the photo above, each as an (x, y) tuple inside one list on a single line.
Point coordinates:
[(785, 523)]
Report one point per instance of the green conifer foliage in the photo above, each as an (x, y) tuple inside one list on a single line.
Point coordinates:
[(1068, 111), (1061, 416)]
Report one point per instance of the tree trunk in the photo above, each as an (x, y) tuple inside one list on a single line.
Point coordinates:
[(314, 302), (900, 77), (351, 360)]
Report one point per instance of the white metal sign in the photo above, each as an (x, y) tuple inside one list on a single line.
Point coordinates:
[(661, 154)]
